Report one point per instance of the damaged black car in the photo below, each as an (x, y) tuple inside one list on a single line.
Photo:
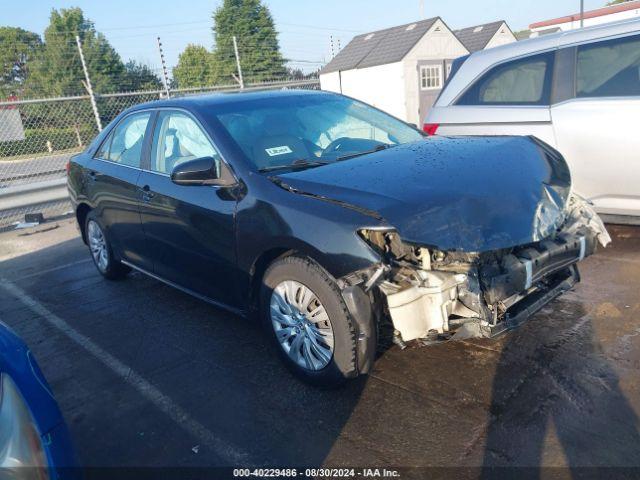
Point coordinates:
[(332, 221)]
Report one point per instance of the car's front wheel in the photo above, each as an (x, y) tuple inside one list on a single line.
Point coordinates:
[(308, 320), (101, 251)]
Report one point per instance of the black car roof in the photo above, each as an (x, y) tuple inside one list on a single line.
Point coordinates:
[(204, 101)]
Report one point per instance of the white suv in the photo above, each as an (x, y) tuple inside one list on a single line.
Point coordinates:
[(579, 91)]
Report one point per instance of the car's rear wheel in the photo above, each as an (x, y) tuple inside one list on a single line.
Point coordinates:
[(101, 251), (304, 312)]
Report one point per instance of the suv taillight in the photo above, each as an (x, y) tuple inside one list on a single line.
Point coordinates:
[(430, 128)]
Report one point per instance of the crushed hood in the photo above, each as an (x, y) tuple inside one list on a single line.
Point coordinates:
[(470, 194)]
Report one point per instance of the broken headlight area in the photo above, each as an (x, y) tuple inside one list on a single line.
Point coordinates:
[(433, 295)]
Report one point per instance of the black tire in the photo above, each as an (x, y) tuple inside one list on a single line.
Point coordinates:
[(303, 270), (114, 269)]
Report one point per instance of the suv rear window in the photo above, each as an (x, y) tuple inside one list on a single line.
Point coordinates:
[(526, 81), (609, 69), (455, 66)]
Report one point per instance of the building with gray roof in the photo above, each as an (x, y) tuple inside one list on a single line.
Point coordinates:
[(402, 69)]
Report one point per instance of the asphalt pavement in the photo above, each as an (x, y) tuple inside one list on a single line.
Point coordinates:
[(148, 376)]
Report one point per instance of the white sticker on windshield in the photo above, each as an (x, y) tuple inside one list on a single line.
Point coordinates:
[(278, 150)]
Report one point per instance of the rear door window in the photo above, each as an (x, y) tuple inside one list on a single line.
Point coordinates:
[(526, 81), (124, 145), (609, 69)]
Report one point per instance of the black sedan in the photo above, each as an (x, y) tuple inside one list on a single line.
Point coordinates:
[(333, 221)]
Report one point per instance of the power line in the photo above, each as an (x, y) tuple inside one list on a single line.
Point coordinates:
[(316, 27), (197, 22)]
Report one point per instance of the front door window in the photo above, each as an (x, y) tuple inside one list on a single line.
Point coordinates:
[(178, 139)]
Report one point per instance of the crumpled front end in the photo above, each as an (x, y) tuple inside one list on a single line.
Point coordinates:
[(433, 295)]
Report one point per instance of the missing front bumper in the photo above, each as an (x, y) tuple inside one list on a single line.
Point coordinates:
[(492, 296), (525, 267), (436, 295), (521, 311)]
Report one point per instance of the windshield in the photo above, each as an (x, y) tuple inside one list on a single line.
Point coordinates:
[(306, 131)]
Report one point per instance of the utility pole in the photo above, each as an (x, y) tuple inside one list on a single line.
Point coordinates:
[(87, 85), (165, 75), (581, 13), (421, 9), (235, 49)]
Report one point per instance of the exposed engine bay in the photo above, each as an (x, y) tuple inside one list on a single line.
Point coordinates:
[(433, 295)]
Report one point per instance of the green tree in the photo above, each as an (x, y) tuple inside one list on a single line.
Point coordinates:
[(18, 48), (615, 2), (139, 77), (195, 67), (58, 70), (252, 24)]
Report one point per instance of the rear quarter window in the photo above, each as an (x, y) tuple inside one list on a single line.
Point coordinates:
[(103, 151), (525, 81)]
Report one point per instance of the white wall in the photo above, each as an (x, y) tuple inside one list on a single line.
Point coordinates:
[(503, 36), (394, 87), (439, 43), (381, 86), (614, 17), (330, 82)]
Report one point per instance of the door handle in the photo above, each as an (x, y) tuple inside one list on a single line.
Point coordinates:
[(147, 194)]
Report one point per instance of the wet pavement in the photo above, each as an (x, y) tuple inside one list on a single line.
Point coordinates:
[(148, 376)]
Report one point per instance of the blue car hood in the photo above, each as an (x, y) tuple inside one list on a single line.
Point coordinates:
[(470, 194)]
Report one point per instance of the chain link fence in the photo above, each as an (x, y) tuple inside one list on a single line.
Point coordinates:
[(37, 138)]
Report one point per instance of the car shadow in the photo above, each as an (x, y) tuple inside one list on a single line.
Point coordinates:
[(556, 400)]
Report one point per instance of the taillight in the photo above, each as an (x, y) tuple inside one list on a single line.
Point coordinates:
[(430, 128), (68, 166)]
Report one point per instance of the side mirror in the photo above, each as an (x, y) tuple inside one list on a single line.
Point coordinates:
[(203, 171)]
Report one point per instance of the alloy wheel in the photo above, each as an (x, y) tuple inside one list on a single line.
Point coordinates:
[(98, 246)]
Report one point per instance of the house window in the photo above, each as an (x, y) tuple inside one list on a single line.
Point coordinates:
[(431, 77)]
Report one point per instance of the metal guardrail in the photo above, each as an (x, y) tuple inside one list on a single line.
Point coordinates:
[(30, 194)]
